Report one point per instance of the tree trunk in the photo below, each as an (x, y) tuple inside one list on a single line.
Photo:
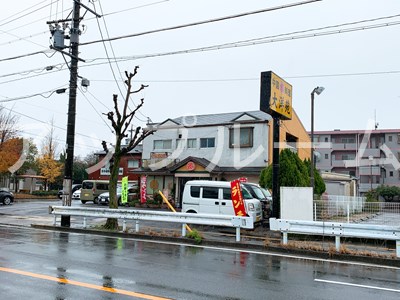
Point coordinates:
[(112, 223)]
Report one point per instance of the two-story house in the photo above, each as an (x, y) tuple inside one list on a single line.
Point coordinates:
[(129, 163), (223, 146)]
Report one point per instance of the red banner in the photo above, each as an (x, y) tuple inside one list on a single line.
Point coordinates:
[(143, 189), (237, 198)]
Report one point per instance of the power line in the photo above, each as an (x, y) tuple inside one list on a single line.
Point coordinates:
[(28, 54), (43, 122), (255, 42), (18, 18), (204, 22), (116, 63), (59, 90)]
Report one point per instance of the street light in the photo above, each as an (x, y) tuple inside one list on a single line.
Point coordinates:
[(318, 90)]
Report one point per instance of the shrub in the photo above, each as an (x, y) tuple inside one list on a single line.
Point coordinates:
[(195, 235)]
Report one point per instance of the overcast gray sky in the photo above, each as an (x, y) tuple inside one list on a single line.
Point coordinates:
[(351, 47)]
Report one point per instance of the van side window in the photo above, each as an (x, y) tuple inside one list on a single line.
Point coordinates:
[(195, 191), (87, 185), (210, 192), (226, 194)]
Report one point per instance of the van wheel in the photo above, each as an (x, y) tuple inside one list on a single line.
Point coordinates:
[(95, 200), (191, 212), (83, 201)]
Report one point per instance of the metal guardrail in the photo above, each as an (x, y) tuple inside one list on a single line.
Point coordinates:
[(337, 230), (148, 215)]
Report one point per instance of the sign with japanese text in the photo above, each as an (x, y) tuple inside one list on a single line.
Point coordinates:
[(237, 199), (275, 96), (124, 190), (143, 189)]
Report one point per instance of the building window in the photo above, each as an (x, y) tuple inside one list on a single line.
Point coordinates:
[(391, 174), (162, 144), (133, 163), (207, 143), (398, 138), (348, 156), (390, 138), (326, 156), (245, 136), (348, 140), (191, 143), (326, 139)]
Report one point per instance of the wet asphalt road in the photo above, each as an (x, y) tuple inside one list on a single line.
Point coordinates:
[(38, 264)]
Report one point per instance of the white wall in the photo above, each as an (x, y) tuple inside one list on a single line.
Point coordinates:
[(221, 154), (297, 203)]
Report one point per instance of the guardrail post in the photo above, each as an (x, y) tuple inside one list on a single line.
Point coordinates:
[(137, 226), (124, 225), (55, 220), (183, 230), (337, 243), (237, 234), (285, 238), (398, 248), (84, 222)]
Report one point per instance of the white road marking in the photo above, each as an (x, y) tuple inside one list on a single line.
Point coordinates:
[(358, 285)]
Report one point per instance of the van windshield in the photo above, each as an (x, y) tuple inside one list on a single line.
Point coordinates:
[(246, 193)]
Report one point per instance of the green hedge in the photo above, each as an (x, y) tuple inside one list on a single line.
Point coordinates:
[(45, 193)]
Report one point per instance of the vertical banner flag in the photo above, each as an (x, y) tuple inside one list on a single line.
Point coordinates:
[(237, 198), (124, 192), (143, 189)]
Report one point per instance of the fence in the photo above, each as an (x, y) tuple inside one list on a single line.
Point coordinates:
[(357, 210)]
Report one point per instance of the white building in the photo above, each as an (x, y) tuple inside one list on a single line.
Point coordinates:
[(216, 146)]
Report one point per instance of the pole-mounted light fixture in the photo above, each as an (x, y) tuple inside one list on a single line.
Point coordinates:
[(318, 90)]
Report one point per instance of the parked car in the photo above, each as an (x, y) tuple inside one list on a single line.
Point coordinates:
[(76, 195), (75, 187), (104, 198), (92, 189), (6, 197), (263, 195)]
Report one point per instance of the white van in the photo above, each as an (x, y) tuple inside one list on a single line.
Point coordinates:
[(214, 197)]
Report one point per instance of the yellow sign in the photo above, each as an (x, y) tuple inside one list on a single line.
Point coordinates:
[(276, 95)]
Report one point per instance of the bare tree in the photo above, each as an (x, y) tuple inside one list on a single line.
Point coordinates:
[(8, 125), (120, 121)]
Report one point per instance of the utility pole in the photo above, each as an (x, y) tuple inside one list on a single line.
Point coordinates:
[(69, 159), (58, 45)]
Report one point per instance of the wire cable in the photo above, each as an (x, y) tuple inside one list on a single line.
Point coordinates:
[(116, 63), (204, 22)]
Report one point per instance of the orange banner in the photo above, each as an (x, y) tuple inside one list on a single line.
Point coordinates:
[(237, 198)]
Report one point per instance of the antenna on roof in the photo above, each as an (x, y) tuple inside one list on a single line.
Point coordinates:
[(376, 123)]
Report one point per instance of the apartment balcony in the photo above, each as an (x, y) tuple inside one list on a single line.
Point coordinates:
[(338, 164), (376, 153), (345, 147), (365, 187), (368, 171)]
